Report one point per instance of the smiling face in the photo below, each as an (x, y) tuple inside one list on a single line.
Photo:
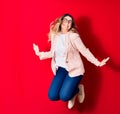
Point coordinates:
[(66, 24)]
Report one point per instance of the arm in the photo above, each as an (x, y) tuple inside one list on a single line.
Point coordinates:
[(42, 55), (86, 52)]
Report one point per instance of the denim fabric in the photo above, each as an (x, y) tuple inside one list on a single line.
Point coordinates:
[(63, 87)]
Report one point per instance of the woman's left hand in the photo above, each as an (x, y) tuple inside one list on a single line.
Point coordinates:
[(103, 62)]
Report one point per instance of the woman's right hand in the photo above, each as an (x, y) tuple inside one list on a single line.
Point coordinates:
[(36, 49), (37, 52)]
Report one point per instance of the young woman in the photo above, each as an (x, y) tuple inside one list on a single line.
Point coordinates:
[(67, 65)]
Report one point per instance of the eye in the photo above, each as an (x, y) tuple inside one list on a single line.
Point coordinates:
[(70, 21), (65, 20)]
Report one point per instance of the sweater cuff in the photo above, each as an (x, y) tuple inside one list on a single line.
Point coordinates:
[(41, 55)]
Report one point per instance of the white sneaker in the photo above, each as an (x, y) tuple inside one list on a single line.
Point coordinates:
[(81, 94), (71, 102)]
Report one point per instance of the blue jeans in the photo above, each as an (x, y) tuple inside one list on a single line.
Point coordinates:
[(63, 87)]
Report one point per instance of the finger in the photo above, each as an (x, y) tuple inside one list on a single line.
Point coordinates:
[(106, 59), (102, 64), (33, 44), (35, 49)]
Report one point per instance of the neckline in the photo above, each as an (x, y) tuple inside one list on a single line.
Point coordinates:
[(63, 33)]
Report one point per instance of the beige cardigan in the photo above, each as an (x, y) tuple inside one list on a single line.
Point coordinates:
[(74, 46)]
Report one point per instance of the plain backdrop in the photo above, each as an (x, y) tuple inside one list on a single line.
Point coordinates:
[(25, 80)]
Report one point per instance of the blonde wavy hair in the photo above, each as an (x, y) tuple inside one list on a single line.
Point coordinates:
[(55, 26)]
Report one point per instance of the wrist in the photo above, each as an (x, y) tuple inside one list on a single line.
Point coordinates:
[(38, 53)]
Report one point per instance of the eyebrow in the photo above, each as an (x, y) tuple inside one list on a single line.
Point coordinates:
[(69, 19)]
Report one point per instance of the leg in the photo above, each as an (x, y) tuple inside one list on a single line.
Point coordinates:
[(56, 84), (70, 87)]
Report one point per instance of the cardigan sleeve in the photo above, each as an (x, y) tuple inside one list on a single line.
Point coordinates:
[(47, 54), (83, 50)]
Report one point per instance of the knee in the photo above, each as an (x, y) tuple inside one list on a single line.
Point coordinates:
[(65, 97), (53, 96)]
